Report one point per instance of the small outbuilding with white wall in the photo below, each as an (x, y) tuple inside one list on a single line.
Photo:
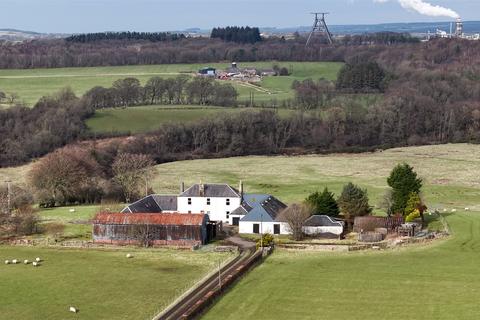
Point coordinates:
[(323, 226)]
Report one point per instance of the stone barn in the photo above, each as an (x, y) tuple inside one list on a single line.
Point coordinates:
[(152, 229)]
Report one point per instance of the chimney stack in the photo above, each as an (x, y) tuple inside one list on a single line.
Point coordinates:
[(201, 189), (240, 188), (182, 187)]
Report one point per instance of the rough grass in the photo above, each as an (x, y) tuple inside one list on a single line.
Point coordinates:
[(30, 85), (148, 118), (102, 284), (450, 173)]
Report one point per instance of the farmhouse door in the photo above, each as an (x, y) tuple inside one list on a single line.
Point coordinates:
[(236, 221), (276, 229), (256, 228)]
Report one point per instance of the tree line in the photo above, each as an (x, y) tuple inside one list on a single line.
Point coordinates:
[(128, 35), (180, 90), (56, 53), (237, 34)]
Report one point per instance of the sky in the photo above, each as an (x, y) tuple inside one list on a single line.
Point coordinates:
[(74, 16)]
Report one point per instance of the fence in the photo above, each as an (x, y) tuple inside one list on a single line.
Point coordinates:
[(370, 223)]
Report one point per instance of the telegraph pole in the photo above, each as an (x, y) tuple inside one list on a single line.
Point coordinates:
[(320, 26), (9, 195)]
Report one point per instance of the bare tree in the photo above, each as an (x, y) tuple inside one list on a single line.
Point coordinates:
[(131, 171), (295, 216)]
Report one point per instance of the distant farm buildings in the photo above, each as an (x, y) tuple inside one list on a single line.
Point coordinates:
[(247, 74)]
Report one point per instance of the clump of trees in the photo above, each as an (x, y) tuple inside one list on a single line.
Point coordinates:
[(179, 90), (75, 175), (323, 203), (404, 182), (128, 35), (237, 34), (311, 94), (362, 77)]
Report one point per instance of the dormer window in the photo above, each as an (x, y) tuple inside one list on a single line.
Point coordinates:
[(189, 201), (227, 202), (208, 201)]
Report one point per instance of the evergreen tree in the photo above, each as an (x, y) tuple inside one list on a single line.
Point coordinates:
[(323, 203), (403, 180), (354, 201)]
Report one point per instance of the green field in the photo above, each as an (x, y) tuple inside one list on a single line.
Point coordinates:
[(148, 118), (31, 84), (102, 284), (433, 282)]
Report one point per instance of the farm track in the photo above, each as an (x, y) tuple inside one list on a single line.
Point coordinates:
[(189, 306)]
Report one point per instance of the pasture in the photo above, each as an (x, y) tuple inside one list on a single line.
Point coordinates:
[(148, 118), (32, 84), (102, 284)]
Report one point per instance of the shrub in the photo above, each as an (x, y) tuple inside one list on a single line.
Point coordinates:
[(268, 240)]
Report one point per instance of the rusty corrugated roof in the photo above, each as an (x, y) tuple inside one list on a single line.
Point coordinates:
[(149, 218)]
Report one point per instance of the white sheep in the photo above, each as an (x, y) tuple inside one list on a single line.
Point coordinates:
[(72, 210), (14, 261), (7, 261), (25, 261), (467, 209), (35, 264), (38, 259), (454, 210), (129, 255), (444, 210), (73, 309)]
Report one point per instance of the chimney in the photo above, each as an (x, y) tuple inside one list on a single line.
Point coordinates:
[(201, 189), (182, 187), (240, 188)]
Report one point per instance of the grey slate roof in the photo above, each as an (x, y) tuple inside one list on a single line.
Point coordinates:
[(212, 190), (265, 208), (322, 221), (153, 204)]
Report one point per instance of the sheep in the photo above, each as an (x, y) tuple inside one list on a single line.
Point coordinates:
[(454, 210), (38, 259), (71, 210), (25, 261), (35, 264), (444, 210), (73, 309), (467, 209), (129, 255), (14, 261), (7, 261)]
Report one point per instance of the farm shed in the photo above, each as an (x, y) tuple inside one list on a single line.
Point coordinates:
[(323, 226), (152, 229)]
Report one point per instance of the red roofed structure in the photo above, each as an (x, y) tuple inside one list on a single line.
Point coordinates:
[(152, 229)]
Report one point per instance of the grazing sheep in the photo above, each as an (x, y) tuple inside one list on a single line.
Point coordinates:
[(129, 255), (467, 209), (14, 261), (72, 210), (73, 309), (25, 261), (35, 264), (38, 259), (7, 261), (454, 210)]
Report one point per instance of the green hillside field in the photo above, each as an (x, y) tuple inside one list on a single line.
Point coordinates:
[(31, 84)]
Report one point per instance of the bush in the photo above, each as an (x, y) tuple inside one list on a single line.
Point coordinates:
[(268, 240), (415, 214)]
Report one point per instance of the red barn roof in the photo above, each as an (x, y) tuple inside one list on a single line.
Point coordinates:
[(149, 218)]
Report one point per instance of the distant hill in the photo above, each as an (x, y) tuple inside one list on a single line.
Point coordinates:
[(21, 35)]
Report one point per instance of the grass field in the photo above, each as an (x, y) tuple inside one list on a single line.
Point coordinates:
[(148, 118), (434, 282), (30, 85), (102, 284)]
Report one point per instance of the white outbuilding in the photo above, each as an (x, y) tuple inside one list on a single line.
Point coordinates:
[(323, 226)]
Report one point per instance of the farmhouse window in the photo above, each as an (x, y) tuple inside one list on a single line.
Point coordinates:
[(228, 214), (228, 202), (276, 229), (256, 228), (208, 201), (189, 201)]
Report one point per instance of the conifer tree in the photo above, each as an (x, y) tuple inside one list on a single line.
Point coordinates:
[(323, 203)]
